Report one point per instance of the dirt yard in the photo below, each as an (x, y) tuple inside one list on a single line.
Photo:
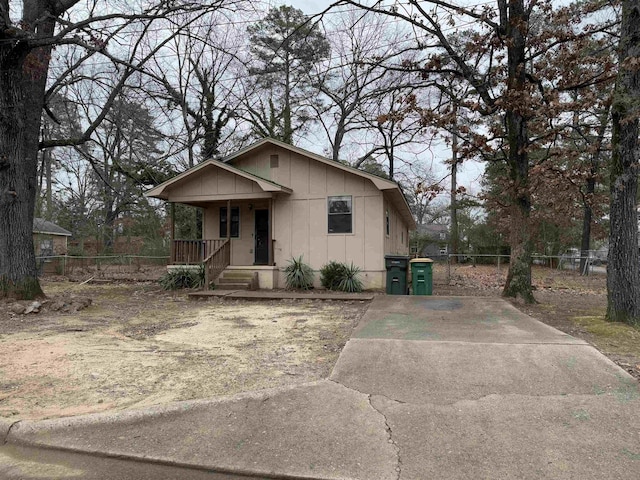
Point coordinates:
[(137, 345), (567, 301)]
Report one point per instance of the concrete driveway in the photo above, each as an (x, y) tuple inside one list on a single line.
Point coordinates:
[(428, 387)]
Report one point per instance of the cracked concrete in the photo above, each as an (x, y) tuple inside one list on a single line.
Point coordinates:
[(5, 428), (418, 392), (391, 440)]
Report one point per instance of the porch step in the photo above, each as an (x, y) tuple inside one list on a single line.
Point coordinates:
[(236, 280), (233, 286), (238, 274)]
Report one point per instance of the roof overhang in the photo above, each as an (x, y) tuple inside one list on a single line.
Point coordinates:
[(163, 190), (59, 234)]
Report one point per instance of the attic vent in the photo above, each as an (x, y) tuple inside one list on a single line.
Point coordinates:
[(274, 161)]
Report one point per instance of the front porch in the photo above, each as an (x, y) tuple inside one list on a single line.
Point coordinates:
[(215, 255)]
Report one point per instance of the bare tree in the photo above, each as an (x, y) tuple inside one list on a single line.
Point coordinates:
[(201, 82), (122, 35), (497, 59)]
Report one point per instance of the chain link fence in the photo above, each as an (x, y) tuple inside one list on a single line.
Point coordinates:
[(569, 263), (69, 265)]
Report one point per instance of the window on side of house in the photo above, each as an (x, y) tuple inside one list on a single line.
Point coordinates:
[(387, 222), (340, 214), (46, 247), (235, 222)]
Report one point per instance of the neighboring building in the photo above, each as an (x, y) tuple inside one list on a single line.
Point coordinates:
[(49, 239), (272, 201), (433, 241)]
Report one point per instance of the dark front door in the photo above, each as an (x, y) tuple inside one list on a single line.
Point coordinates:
[(262, 237)]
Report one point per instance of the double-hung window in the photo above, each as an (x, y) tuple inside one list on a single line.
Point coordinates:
[(235, 222), (340, 214)]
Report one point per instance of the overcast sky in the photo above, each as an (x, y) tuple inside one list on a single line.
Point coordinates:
[(470, 173)]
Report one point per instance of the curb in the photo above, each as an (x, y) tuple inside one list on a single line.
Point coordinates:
[(25, 433), (5, 428), (21, 431)]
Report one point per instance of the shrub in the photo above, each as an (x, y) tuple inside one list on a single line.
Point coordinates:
[(298, 274), (183, 278), (350, 281), (341, 277), (331, 274)]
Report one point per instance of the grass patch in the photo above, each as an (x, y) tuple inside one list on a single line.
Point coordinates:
[(612, 337)]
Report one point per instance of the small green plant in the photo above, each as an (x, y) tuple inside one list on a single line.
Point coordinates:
[(350, 282), (331, 274), (341, 277), (183, 278), (298, 274)]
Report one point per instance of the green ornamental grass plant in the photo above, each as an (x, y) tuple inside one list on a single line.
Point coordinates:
[(350, 282), (298, 274), (183, 278), (331, 274), (341, 277)]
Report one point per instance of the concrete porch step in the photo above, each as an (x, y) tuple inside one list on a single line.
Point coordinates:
[(236, 280), (232, 274), (234, 286)]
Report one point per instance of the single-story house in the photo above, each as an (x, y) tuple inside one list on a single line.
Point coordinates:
[(49, 239), (271, 201), (433, 241)]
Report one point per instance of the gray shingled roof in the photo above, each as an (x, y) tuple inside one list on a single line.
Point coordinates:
[(40, 225)]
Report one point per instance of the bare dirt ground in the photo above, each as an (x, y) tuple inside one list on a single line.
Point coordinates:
[(137, 345), (569, 302)]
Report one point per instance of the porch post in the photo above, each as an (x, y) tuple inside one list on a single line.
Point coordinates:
[(229, 230), (270, 239), (172, 230), (228, 219)]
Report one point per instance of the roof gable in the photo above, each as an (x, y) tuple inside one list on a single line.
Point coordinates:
[(389, 186), (379, 182), (161, 191)]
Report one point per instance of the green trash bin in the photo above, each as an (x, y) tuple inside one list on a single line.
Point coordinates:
[(422, 276), (396, 266)]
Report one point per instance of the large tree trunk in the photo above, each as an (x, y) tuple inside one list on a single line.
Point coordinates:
[(623, 271), (23, 76), (518, 282)]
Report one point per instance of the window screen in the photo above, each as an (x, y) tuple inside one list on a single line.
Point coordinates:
[(340, 214)]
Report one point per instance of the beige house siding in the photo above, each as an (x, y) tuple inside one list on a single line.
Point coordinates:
[(300, 220), (213, 181), (397, 242)]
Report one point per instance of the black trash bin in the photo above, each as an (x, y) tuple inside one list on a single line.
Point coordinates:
[(397, 266)]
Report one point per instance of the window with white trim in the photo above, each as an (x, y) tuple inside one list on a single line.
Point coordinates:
[(340, 218)]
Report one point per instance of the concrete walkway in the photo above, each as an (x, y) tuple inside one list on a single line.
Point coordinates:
[(428, 387)]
